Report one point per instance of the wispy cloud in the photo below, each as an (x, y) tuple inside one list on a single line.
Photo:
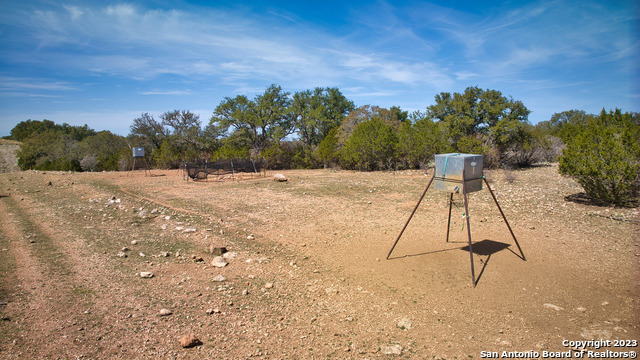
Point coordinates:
[(165, 92), (11, 83)]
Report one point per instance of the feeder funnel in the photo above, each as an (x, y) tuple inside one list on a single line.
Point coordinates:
[(450, 169)]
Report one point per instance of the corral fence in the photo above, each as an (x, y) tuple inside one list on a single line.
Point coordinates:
[(202, 170)]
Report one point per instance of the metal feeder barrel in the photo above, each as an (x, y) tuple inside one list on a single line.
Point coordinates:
[(450, 169)]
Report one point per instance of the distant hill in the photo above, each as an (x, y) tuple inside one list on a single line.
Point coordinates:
[(8, 155)]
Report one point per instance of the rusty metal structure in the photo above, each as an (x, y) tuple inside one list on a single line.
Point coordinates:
[(459, 173)]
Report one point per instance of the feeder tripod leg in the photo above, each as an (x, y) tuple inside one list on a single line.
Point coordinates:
[(466, 215), (504, 217), (449, 221), (410, 216)]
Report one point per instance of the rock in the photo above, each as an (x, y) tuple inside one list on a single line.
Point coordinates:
[(165, 312), (229, 255), (331, 291), (146, 274), (142, 254), (217, 251), (268, 285), (404, 324), (280, 178), (213, 311), (581, 308), (163, 227), (219, 261), (189, 340), (251, 237), (179, 228), (595, 334), (554, 307), (121, 254), (189, 230), (198, 259), (164, 253), (391, 349), (219, 278), (134, 242)]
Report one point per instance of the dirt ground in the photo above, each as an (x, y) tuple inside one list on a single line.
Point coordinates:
[(307, 274)]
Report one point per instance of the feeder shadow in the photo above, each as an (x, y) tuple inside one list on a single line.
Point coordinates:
[(486, 247)]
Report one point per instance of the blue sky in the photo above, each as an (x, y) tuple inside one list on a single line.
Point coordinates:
[(104, 63)]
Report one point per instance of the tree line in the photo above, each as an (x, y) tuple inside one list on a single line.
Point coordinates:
[(322, 128)]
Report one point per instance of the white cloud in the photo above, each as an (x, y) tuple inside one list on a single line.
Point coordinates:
[(165, 92), (10, 83), (74, 11)]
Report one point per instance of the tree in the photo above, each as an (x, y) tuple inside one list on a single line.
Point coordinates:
[(184, 126), (603, 155), (497, 119), (317, 112), (419, 139), (25, 129), (562, 124), (264, 120), (184, 139), (372, 146), (366, 113), (149, 132), (49, 150), (101, 152), (327, 150)]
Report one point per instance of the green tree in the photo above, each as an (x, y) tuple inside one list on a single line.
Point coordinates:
[(480, 117), (49, 150), (561, 124), (603, 155), (101, 151), (28, 128), (366, 113), (327, 151), (371, 146), (147, 132), (263, 121), (184, 139), (317, 112), (419, 139)]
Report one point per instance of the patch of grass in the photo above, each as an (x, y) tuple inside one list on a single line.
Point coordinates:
[(41, 244)]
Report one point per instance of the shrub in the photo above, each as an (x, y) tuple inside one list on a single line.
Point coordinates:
[(327, 152), (371, 146), (603, 156)]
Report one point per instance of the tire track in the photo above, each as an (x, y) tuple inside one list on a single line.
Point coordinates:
[(37, 311)]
